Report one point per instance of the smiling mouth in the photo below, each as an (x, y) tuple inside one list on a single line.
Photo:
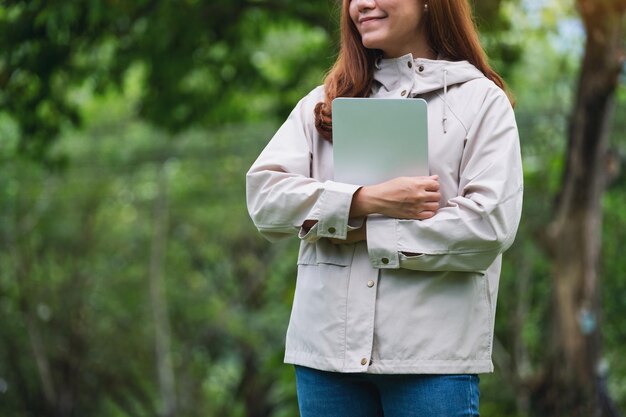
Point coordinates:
[(369, 19)]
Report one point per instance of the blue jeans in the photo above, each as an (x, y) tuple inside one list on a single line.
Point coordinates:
[(332, 394)]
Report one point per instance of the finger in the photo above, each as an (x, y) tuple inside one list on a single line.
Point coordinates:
[(426, 214), (431, 177), (431, 185), (432, 197), (433, 206)]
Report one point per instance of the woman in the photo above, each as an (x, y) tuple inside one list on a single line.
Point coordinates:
[(396, 290)]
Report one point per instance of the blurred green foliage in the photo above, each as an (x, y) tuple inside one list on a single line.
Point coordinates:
[(168, 102), (200, 60)]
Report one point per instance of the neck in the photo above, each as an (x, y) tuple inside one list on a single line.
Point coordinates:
[(418, 48)]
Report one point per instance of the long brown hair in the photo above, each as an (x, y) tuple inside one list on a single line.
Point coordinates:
[(450, 31)]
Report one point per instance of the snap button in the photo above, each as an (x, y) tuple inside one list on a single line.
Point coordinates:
[(410, 64), (332, 230), (403, 93), (385, 260), (364, 361), (420, 68), (370, 283)]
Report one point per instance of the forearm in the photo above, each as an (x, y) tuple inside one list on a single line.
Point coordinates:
[(464, 236), (362, 203)]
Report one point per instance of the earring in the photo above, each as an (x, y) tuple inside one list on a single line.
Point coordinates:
[(425, 7)]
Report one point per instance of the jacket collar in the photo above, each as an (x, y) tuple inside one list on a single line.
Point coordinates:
[(425, 75)]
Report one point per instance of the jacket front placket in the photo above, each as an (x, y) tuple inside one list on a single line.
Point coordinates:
[(360, 312)]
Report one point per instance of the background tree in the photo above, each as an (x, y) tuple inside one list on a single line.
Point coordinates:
[(575, 381)]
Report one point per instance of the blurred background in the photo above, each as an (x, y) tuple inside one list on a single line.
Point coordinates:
[(132, 282)]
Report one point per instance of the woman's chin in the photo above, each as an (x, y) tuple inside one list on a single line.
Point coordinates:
[(371, 43)]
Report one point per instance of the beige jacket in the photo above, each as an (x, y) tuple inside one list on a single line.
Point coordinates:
[(370, 307)]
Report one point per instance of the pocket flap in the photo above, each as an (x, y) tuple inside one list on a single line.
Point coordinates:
[(324, 252)]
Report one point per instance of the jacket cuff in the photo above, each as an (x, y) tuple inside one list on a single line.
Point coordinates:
[(382, 238), (332, 212), (311, 235)]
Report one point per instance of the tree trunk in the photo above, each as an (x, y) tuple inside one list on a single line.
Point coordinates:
[(158, 299), (574, 383), (25, 222)]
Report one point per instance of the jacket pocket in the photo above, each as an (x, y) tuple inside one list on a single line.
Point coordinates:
[(324, 252)]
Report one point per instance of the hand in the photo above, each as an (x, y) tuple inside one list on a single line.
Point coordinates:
[(353, 237), (400, 198)]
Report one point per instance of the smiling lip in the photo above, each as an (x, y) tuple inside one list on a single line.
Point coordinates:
[(369, 19)]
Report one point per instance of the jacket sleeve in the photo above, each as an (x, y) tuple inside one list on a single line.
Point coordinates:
[(477, 225), (281, 194)]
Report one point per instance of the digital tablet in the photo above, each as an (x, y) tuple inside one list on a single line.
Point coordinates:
[(375, 139)]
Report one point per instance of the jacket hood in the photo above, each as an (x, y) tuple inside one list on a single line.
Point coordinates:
[(424, 76), (428, 75)]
